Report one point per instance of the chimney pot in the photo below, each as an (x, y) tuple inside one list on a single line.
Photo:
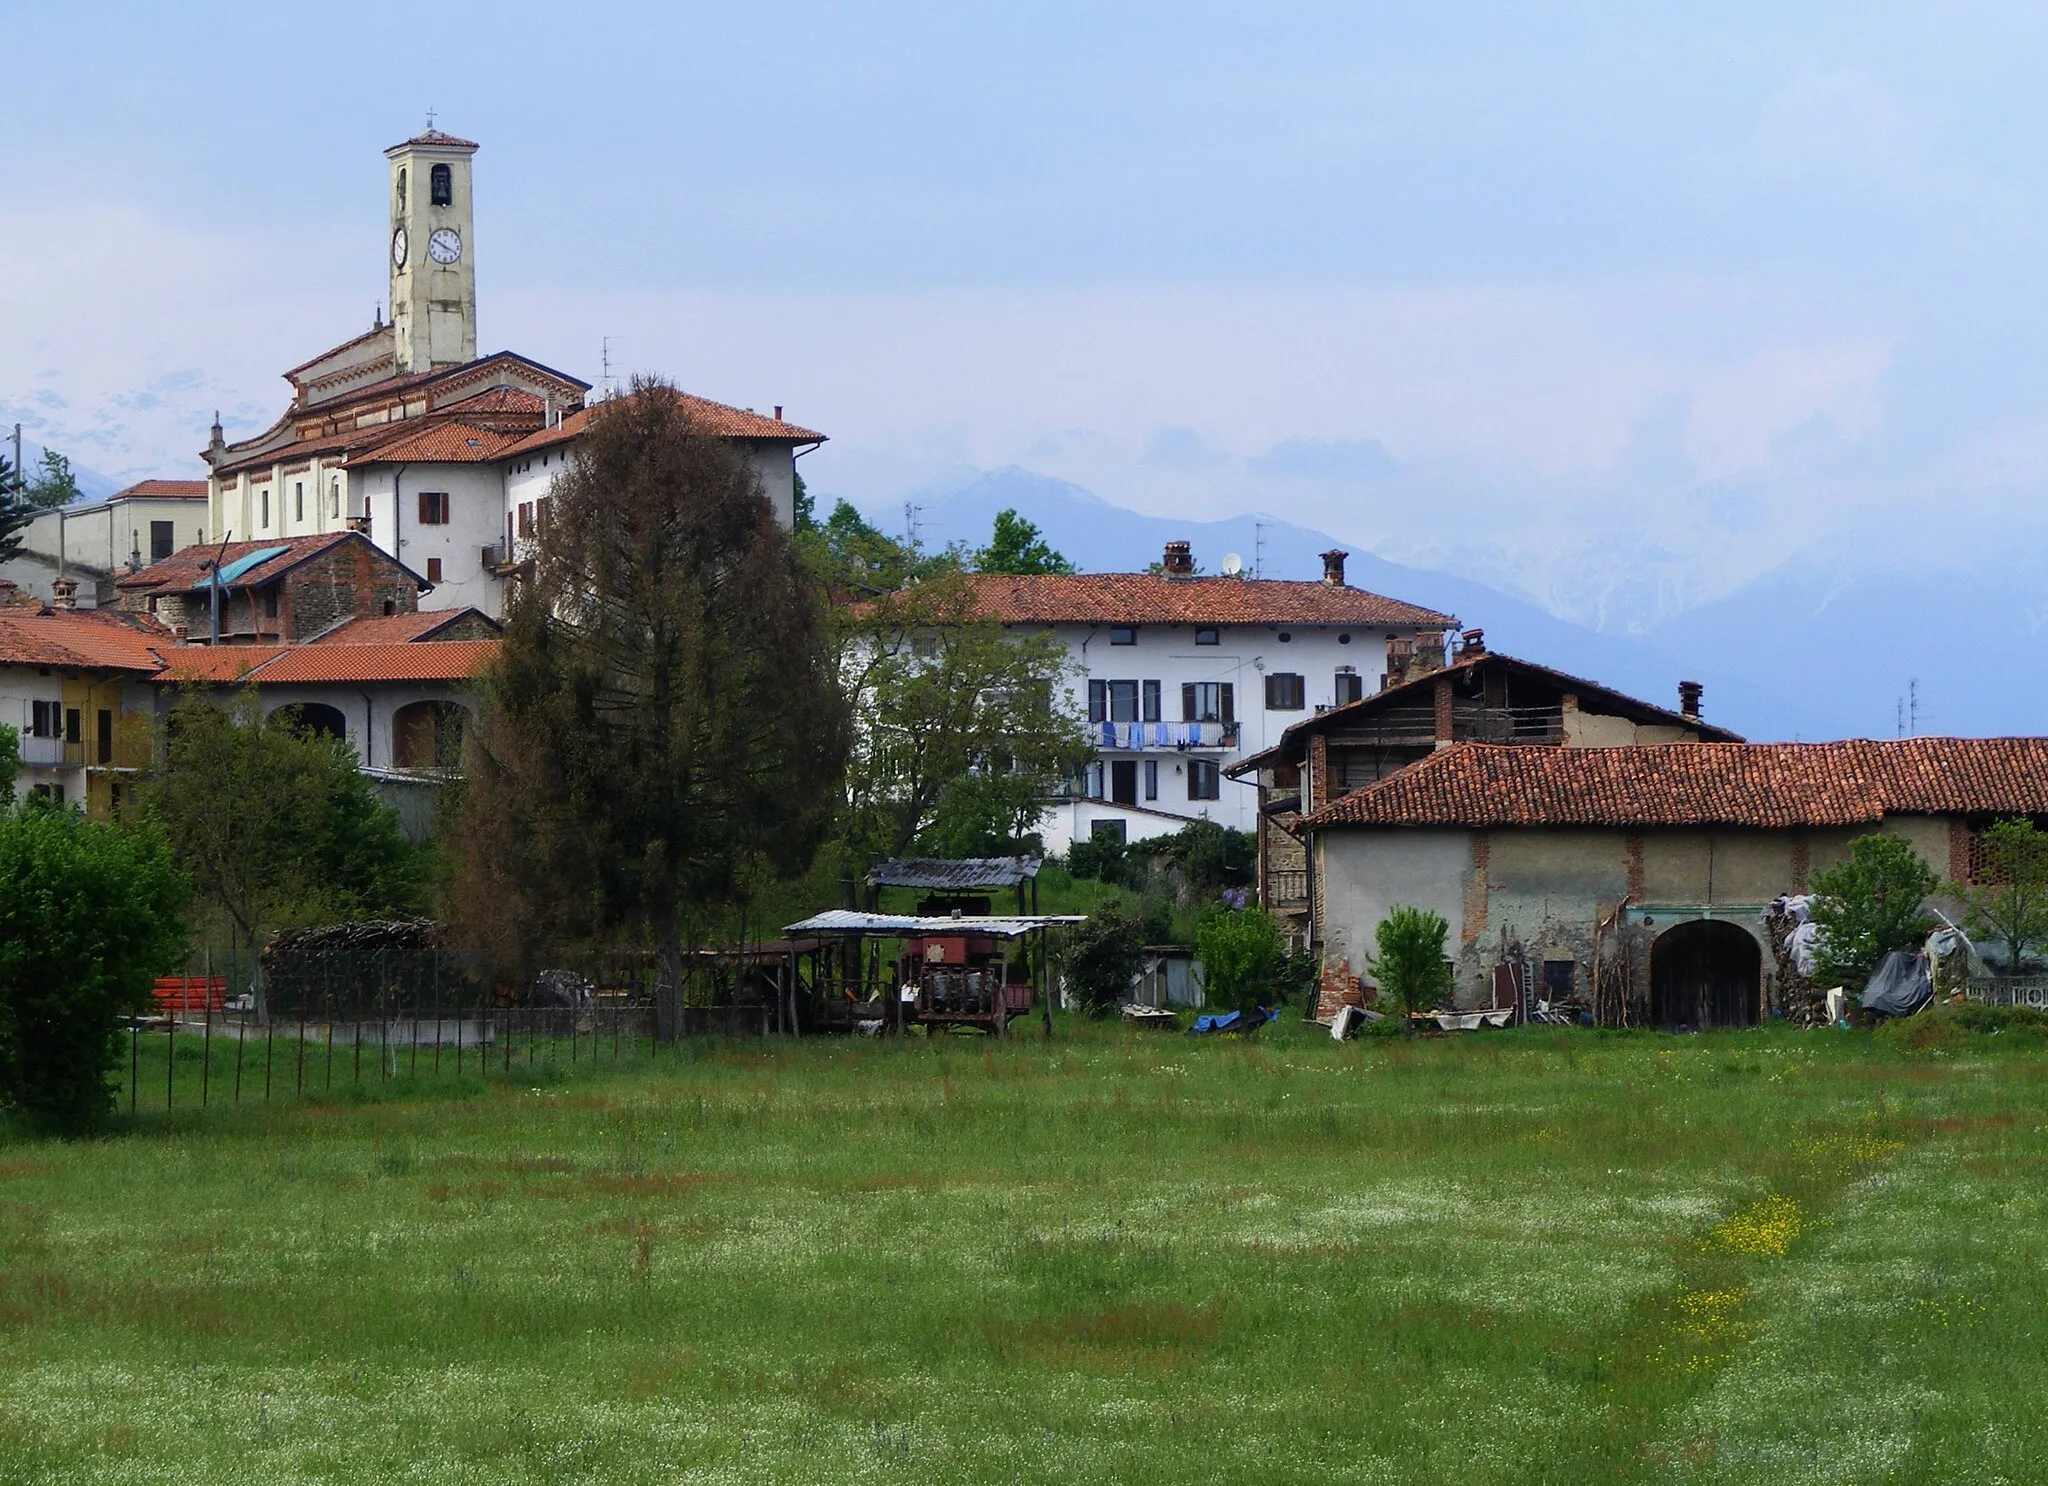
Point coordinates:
[(1333, 567), (778, 412), (64, 593), (1475, 642), (1179, 561), (1689, 698)]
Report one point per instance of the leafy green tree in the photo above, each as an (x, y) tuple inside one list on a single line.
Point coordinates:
[(1017, 547), (1868, 905), (805, 506), (276, 825), (965, 728), (16, 511), (855, 559), (1241, 954), (1411, 968), (2010, 905), (10, 763), (1103, 957), (90, 914), (54, 485), (663, 728)]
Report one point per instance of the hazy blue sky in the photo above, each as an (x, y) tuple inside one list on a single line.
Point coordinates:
[(1618, 303)]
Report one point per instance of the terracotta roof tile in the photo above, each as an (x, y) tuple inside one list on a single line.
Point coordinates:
[(1761, 785), (188, 570), (498, 400), (436, 137), (431, 660), (439, 443), (1147, 598), (397, 629), (219, 663), (728, 422), (162, 490), (90, 639)]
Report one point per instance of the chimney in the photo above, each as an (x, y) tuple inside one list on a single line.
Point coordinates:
[(778, 412), (1333, 567), (1689, 698), (64, 593), (1179, 561), (178, 633), (1475, 643)]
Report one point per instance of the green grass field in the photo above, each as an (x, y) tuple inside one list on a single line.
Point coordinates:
[(1551, 1256)]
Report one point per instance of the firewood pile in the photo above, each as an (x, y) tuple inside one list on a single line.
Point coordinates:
[(1803, 1004), (372, 965)]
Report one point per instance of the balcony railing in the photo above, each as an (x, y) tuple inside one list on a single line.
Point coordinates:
[(1286, 887), (52, 753), (1161, 737)]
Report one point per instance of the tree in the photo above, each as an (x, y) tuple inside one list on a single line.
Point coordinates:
[(90, 914), (1103, 957), (965, 728), (1241, 954), (1411, 968), (2010, 905), (55, 485), (1016, 547), (855, 559), (803, 505), (276, 825), (1868, 905), (10, 764), (15, 511), (662, 726)]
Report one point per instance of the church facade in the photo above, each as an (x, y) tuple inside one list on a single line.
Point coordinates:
[(441, 457)]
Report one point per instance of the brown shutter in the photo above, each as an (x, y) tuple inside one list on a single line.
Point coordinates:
[(1229, 708), (1187, 701)]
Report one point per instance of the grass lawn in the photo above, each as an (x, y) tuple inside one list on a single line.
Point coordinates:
[(1546, 1256)]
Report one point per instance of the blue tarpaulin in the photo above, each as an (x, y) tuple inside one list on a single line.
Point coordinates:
[(1233, 1021), (233, 570)]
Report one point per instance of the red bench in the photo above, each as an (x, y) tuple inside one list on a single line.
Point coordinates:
[(176, 994)]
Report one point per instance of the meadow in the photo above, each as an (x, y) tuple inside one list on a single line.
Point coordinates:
[(1542, 1256)]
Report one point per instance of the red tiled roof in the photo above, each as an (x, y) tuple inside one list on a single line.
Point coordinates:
[(440, 443), (222, 663), (431, 660), (91, 639), (396, 629), (436, 137), (162, 490), (717, 417), (498, 400), (332, 443), (1147, 598), (189, 569), (1761, 785)]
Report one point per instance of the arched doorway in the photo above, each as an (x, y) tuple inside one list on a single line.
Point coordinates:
[(318, 719), (427, 735), (1708, 973)]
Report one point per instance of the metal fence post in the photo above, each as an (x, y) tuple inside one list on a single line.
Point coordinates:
[(134, 1062), (206, 1042), (171, 1062)]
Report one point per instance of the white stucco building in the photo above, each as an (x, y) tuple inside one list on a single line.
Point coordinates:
[(442, 457), (1181, 676), (96, 542)]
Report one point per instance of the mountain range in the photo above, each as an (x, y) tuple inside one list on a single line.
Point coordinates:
[(1805, 652)]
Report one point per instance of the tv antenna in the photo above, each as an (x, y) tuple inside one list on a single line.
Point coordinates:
[(911, 511), (1258, 549), (605, 383), (1908, 711)]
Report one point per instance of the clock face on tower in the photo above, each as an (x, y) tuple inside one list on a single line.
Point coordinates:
[(445, 246), (398, 248)]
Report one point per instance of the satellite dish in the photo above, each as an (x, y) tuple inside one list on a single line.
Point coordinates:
[(1232, 564)]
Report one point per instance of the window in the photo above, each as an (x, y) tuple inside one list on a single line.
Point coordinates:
[(334, 499), (1123, 701), (270, 602), (45, 719), (433, 508), (1284, 692), (1207, 701), (1098, 701), (540, 516), (1285, 637), (1151, 703), (161, 542), (401, 190), (1205, 778), (104, 736), (70, 724), (1343, 639), (1107, 830), (1350, 686), (1559, 977), (1123, 634), (266, 510), (298, 500), (1208, 637), (433, 570), (390, 606), (441, 186), (1151, 778)]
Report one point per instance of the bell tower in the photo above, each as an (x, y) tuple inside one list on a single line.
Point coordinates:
[(433, 270)]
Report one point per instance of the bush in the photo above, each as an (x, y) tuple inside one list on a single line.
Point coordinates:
[(1410, 966), (90, 914), (1868, 906), (1241, 953), (1104, 954), (1100, 857)]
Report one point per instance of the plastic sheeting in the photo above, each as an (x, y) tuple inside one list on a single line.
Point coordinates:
[(1899, 986)]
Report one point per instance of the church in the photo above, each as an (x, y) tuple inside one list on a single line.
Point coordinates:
[(441, 457)]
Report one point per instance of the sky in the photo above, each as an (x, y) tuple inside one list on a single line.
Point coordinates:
[(1619, 307)]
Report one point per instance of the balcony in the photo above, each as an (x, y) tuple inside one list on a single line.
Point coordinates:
[(1162, 737), (52, 753), (1286, 887)]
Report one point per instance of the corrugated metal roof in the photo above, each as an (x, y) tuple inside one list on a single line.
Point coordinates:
[(901, 925), (962, 872)]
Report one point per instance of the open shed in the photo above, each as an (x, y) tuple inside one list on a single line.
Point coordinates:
[(949, 970)]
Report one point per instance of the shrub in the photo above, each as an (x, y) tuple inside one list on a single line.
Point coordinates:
[(90, 914), (1868, 906), (1104, 954), (1410, 966), (1100, 857), (2010, 906), (1241, 954)]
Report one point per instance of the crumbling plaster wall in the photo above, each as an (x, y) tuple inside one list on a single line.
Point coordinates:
[(1584, 729)]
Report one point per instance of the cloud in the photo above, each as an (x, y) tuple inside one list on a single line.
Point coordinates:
[(1326, 459)]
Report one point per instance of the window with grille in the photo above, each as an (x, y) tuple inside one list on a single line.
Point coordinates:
[(1285, 692)]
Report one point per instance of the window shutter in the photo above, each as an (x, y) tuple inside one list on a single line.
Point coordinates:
[(425, 519), (1098, 700), (1187, 701), (1229, 702)]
